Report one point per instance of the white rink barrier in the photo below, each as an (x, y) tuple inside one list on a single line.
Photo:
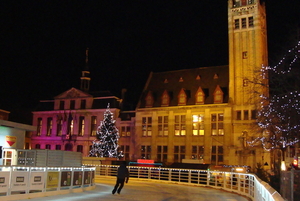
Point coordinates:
[(26, 180), (245, 184)]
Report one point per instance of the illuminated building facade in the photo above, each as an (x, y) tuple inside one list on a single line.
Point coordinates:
[(202, 115), (205, 114), (70, 121)]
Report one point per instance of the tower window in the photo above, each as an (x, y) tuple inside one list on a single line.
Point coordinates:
[(244, 23), (238, 115), (237, 24), (245, 82), (253, 114), (250, 22), (246, 115), (245, 55)]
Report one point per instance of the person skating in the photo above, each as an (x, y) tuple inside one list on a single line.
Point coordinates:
[(122, 176)]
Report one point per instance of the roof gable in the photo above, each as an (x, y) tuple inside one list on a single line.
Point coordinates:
[(72, 93)]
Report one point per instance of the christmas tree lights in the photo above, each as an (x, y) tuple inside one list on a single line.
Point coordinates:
[(278, 117), (106, 144)]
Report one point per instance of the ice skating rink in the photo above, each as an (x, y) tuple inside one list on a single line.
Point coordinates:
[(146, 190)]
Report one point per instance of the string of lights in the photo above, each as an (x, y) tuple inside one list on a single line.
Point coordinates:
[(278, 117)]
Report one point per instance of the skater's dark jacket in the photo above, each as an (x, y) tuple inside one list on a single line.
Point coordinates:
[(123, 172)]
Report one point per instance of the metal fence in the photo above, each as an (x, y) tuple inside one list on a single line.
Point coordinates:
[(244, 184)]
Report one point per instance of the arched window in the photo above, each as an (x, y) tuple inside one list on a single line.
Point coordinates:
[(48, 146), (37, 146)]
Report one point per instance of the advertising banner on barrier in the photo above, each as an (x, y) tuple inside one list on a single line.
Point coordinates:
[(52, 179), (19, 181), (4, 181), (77, 179), (37, 180), (87, 177), (66, 178)]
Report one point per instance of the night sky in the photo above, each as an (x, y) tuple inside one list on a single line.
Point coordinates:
[(43, 43)]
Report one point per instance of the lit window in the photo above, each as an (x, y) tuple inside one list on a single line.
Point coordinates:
[(217, 125), (198, 124), (147, 126), (49, 126), (94, 126), (39, 126), (163, 129), (180, 125), (81, 126), (59, 127)]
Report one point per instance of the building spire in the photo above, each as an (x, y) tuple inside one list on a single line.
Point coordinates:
[(87, 59), (85, 74)]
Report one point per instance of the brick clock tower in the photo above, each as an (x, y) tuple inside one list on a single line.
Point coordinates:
[(247, 49), (247, 54)]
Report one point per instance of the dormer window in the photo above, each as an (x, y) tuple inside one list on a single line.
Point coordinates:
[(218, 95), (199, 96), (149, 99), (165, 99), (182, 97)]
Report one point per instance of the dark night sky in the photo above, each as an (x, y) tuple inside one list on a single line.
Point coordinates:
[(43, 43)]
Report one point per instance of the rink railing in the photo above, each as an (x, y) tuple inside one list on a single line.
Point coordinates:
[(16, 180), (242, 183)]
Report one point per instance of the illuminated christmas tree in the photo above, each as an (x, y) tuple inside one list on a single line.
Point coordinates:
[(106, 144)]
